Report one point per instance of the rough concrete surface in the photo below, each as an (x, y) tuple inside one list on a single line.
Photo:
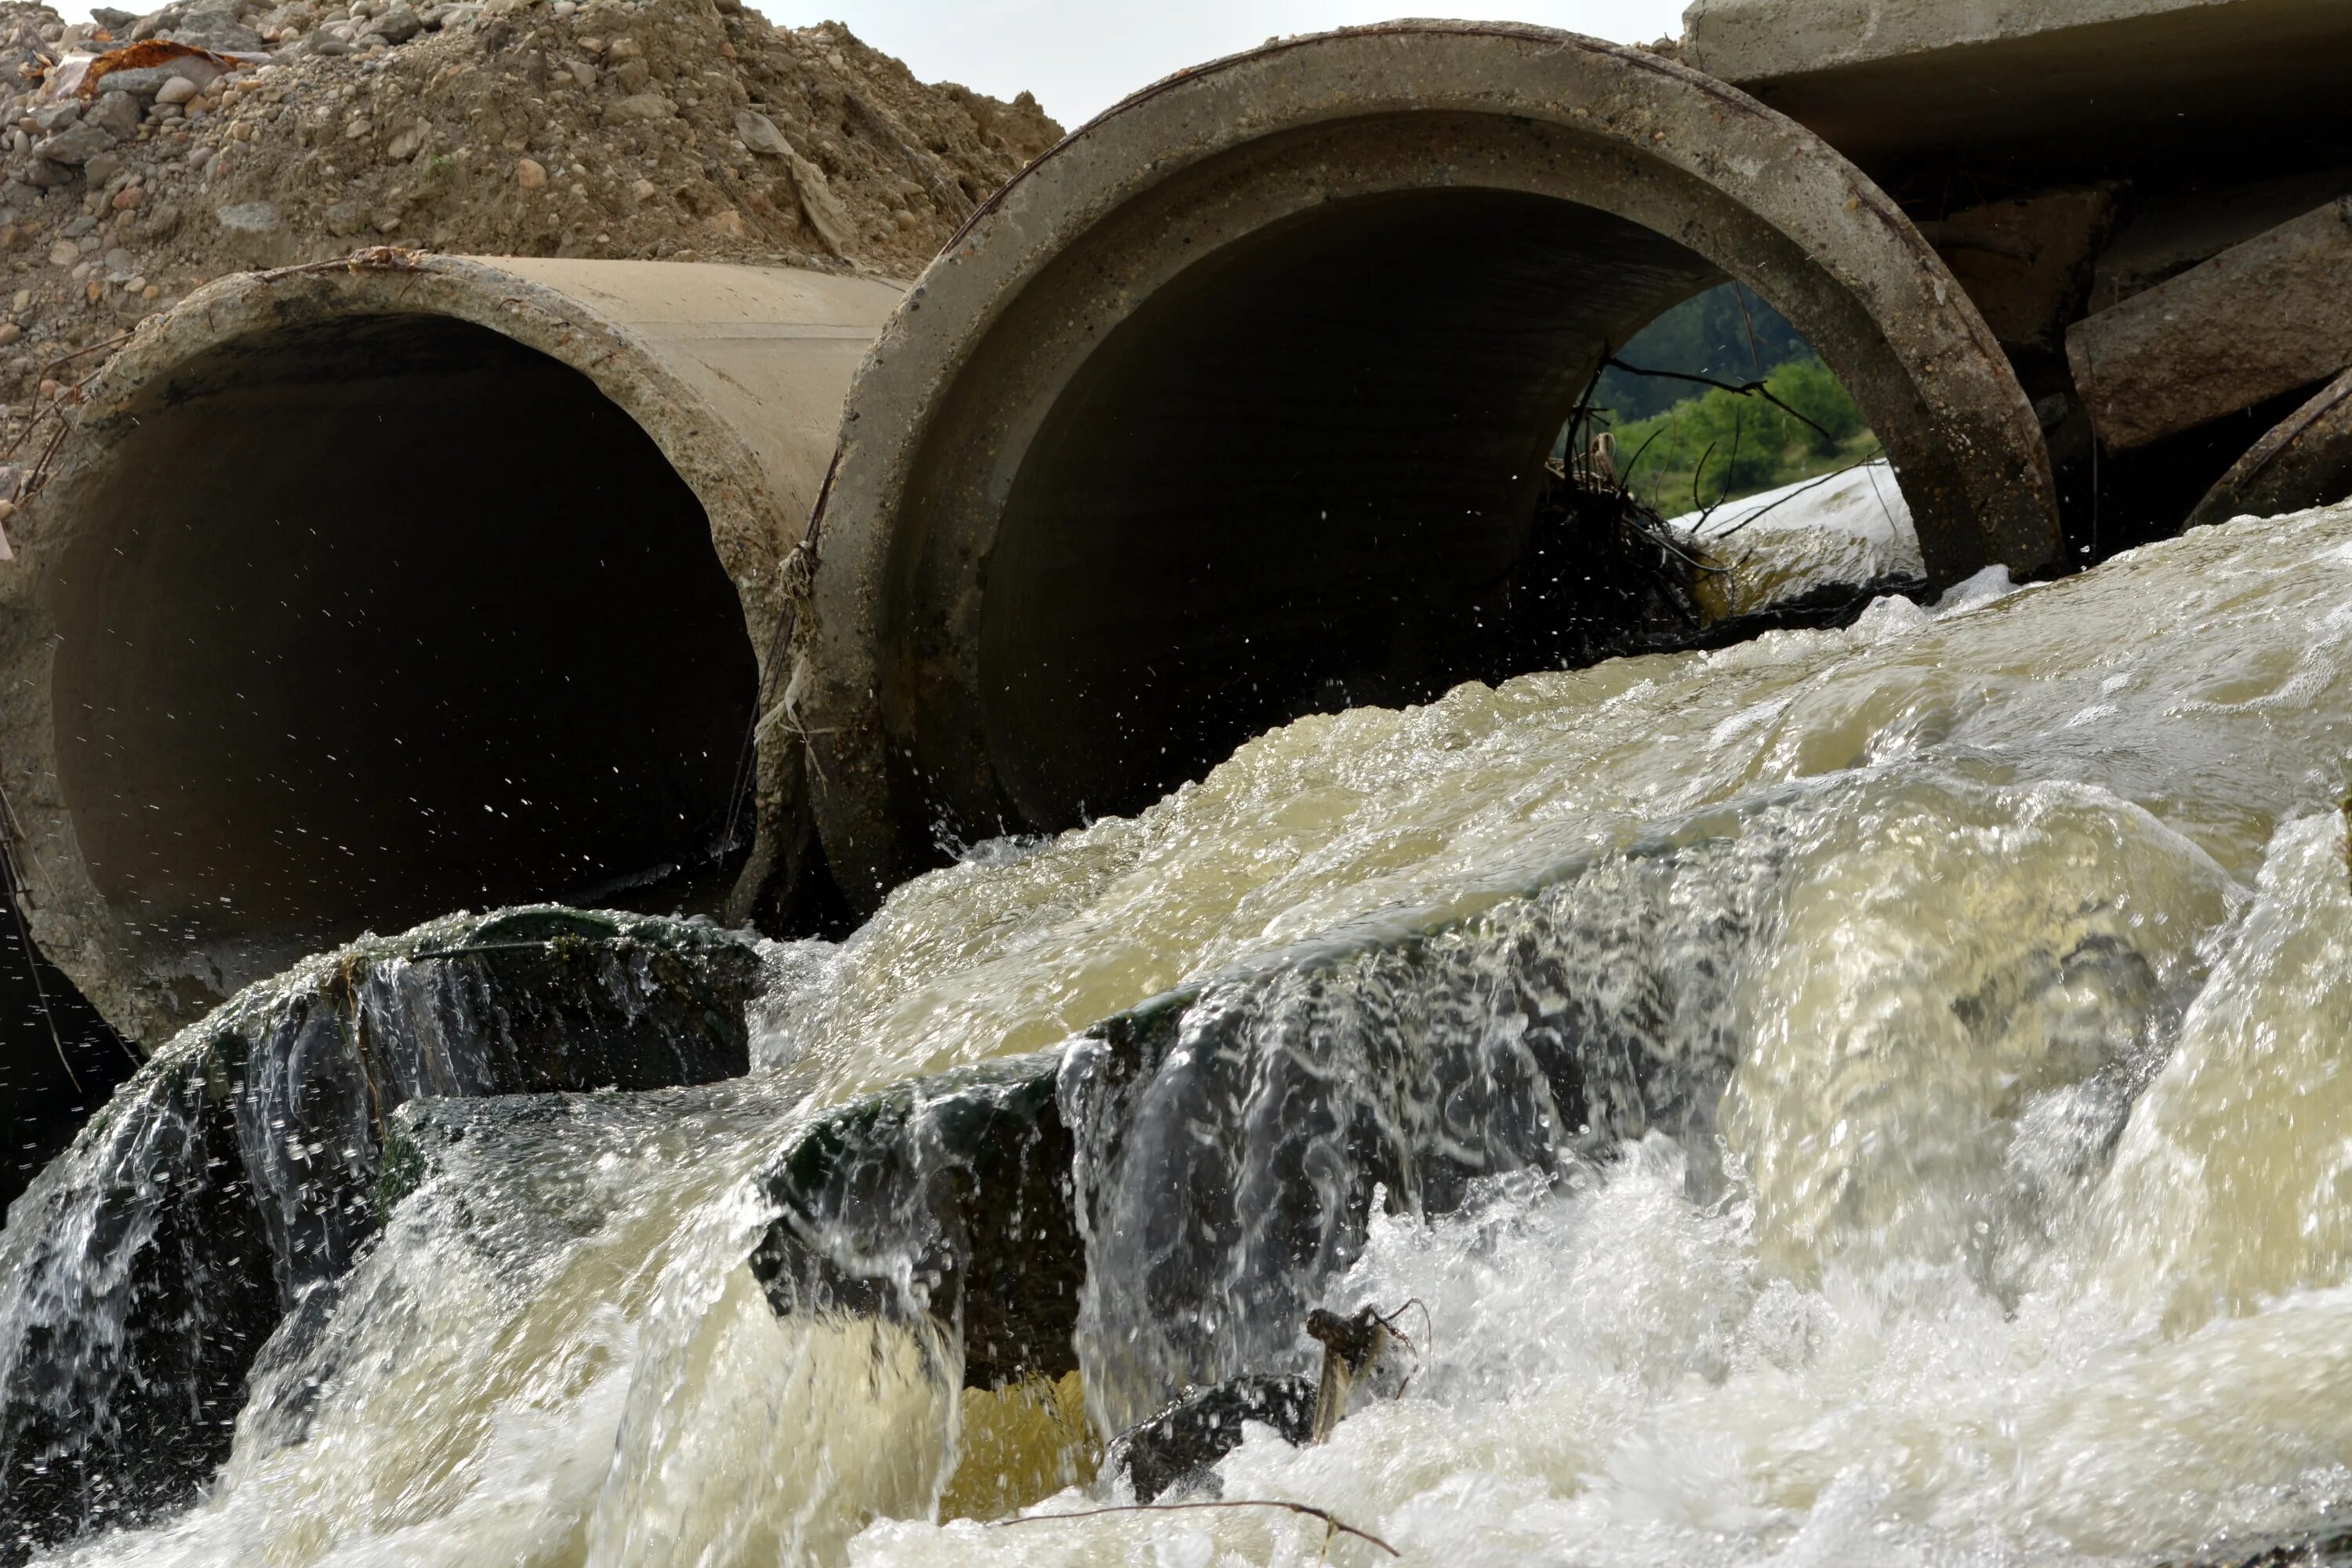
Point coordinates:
[(1014, 626), (2305, 460), (159, 805), (2263, 318), (1756, 40), (2054, 90)]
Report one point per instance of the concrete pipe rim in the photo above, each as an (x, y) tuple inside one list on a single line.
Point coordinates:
[(2303, 462), (1966, 440), (72, 920)]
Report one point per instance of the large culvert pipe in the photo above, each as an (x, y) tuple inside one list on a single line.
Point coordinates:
[(369, 590), (1238, 398)]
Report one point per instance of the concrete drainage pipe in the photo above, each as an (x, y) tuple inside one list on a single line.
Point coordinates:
[(367, 592), (1240, 395)]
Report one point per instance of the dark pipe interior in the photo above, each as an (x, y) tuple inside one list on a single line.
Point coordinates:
[(59, 1060), (1301, 475), (375, 622)]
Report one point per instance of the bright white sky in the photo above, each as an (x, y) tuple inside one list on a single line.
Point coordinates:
[(1080, 57)]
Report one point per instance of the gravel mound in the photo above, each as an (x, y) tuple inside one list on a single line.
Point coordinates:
[(146, 155)]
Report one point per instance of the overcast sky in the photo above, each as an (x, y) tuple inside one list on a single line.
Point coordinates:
[(1080, 57)]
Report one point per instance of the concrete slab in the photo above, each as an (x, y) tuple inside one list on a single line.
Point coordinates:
[(1750, 40), (2261, 319), (2073, 85)]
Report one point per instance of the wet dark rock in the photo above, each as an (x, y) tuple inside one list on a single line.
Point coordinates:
[(243, 1170), (2328, 1546), (967, 1176), (1171, 1195), (1175, 1449), (1233, 1144)]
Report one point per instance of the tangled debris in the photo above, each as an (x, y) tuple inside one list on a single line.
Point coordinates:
[(148, 155)]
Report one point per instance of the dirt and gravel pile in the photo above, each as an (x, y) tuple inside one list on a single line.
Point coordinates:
[(216, 135)]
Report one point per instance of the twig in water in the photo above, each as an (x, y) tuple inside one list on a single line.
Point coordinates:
[(1801, 489), (1755, 354), (64, 359), (1729, 465), (1332, 1525), (1625, 481)]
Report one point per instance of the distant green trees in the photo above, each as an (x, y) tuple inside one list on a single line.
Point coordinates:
[(1707, 335), (1719, 445)]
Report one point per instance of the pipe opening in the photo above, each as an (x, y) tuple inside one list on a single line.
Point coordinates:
[(1302, 476), (384, 617)]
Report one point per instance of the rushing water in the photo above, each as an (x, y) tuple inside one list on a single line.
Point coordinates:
[(1875, 1096)]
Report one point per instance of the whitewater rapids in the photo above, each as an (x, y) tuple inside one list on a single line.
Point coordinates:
[(2017, 1228)]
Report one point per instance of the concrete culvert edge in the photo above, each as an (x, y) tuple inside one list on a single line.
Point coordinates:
[(362, 592), (1244, 389)]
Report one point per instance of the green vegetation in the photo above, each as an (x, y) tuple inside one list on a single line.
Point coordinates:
[(1706, 335), (1745, 443)]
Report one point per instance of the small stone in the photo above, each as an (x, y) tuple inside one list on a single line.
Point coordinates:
[(359, 126), (56, 117), (116, 113), (643, 190), (74, 145), (529, 174), (22, 301), (128, 197), (102, 167), (644, 107), (729, 222), (403, 145), (151, 293), (179, 89), (9, 332), (583, 73), (63, 253), (250, 217), (120, 262), (52, 389), (759, 132), (905, 219), (398, 24)]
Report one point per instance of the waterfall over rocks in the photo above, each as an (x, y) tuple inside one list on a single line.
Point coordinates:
[(241, 1172), (1859, 1096)]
